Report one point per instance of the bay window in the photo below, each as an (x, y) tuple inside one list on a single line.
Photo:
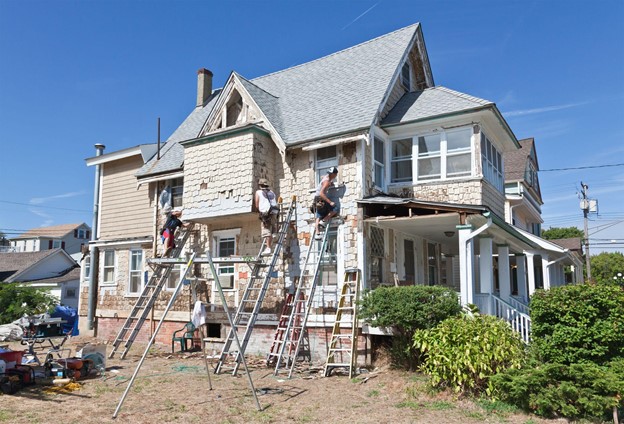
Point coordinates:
[(492, 163), (440, 155)]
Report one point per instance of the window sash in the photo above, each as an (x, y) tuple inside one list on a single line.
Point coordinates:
[(109, 267), (177, 192), (379, 163), (401, 161), (136, 271), (326, 158)]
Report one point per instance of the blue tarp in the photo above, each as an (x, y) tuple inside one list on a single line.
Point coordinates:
[(67, 314)]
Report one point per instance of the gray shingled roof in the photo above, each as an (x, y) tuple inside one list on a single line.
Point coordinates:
[(328, 96), (431, 102), (172, 153), (15, 262)]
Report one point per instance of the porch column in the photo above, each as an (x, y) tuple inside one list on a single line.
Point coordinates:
[(486, 272), (504, 280), (522, 277), (466, 258), (530, 272), (545, 271)]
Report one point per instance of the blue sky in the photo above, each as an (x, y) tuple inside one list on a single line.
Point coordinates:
[(76, 73)]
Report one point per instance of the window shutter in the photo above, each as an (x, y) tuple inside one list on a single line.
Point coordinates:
[(49, 244), (63, 245), (75, 233), (88, 234)]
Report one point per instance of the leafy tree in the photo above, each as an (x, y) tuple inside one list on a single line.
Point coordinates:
[(605, 266), (406, 309), (561, 233), (578, 323), (17, 300)]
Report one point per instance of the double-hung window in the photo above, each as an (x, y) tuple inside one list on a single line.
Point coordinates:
[(492, 163), (225, 246), (326, 158), (439, 156), (177, 190), (174, 276), (108, 271), (401, 161), (136, 271), (379, 156)]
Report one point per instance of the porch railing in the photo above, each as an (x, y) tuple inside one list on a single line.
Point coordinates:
[(519, 305), (519, 321)]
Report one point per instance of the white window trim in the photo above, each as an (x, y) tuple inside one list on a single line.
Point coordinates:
[(130, 271), (443, 155), (330, 162), (385, 149), (114, 282), (216, 235)]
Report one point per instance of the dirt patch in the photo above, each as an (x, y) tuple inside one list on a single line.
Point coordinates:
[(175, 388)]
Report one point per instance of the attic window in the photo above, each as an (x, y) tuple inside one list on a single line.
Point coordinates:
[(234, 109), (406, 76)]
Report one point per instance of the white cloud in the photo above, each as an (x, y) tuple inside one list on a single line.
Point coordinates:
[(41, 200), (523, 112)]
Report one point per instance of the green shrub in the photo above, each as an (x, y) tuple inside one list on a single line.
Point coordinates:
[(573, 391), (578, 323), (17, 300), (407, 309), (462, 353)]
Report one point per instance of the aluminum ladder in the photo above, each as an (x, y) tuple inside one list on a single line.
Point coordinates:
[(251, 301), (343, 344), (145, 302), (302, 301)]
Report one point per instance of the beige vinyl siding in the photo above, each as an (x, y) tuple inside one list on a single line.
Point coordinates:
[(125, 210)]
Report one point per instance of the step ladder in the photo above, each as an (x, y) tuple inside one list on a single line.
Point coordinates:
[(251, 301), (146, 300), (343, 344), (291, 341)]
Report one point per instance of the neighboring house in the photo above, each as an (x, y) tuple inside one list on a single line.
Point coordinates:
[(52, 269), (421, 185), (69, 237)]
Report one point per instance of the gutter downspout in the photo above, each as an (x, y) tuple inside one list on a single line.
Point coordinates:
[(93, 257)]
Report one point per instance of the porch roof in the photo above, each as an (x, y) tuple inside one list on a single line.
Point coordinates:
[(438, 221)]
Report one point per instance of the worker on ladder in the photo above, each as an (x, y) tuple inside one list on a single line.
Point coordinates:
[(326, 208), (168, 231), (266, 204)]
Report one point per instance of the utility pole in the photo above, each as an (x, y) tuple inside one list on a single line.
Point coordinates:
[(585, 208)]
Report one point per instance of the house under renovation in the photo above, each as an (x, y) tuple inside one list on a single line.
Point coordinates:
[(425, 192)]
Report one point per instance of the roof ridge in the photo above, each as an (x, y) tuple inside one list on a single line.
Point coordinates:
[(463, 95), (417, 24), (252, 83)]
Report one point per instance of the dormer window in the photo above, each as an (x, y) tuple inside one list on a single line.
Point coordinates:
[(406, 76)]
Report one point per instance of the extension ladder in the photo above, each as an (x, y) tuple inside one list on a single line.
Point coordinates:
[(343, 343), (145, 302), (290, 342), (251, 301), (278, 339)]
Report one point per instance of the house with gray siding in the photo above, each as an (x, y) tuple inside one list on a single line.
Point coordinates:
[(421, 185)]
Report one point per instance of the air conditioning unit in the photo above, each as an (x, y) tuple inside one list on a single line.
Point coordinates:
[(226, 281)]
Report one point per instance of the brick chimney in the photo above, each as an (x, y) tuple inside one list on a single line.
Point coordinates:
[(204, 86)]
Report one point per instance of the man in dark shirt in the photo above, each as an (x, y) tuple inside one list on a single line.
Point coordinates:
[(168, 231)]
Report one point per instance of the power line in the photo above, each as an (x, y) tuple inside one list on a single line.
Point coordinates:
[(44, 207), (581, 167)]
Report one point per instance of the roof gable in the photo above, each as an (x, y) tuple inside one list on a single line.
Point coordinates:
[(24, 266), (55, 231)]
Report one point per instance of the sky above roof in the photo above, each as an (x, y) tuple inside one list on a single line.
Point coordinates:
[(76, 73)]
